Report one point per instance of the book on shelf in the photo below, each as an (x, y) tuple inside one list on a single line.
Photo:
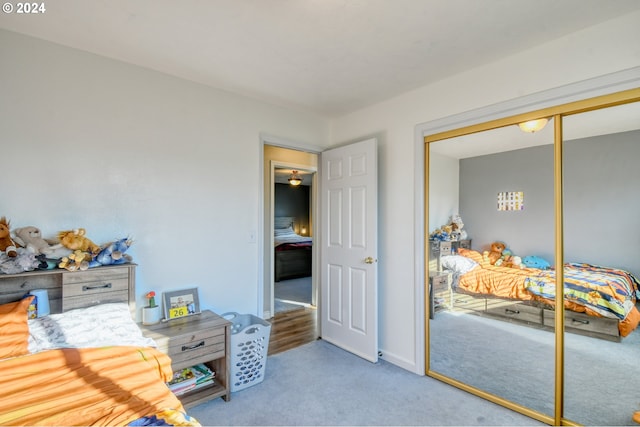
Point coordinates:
[(191, 378)]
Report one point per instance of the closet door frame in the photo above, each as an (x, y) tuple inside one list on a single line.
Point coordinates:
[(603, 92)]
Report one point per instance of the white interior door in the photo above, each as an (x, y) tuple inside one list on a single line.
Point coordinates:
[(349, 226)]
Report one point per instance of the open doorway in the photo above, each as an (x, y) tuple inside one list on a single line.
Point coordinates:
[(290, 279), (293, 239)]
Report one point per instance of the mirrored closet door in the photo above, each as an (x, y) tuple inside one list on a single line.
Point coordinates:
[(601, 151), (486, 331), (551, 198)]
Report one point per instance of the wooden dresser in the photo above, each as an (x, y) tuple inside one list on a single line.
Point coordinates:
[(74, 289)]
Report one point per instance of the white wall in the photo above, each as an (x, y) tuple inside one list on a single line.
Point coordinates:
[(90, 142), (121, 150), (593, 52)]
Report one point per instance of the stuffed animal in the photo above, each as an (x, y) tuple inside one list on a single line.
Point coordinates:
[(75, 240), (7, 245), (533, 261), (30, 237), (78, 260), (440, 235), (496, 252), (113, 253), (457, 228)]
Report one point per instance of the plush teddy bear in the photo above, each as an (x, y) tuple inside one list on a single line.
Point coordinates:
[(30, 238), (76, 240), (7, 245), (496, 252)]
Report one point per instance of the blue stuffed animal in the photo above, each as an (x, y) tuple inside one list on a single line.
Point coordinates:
[(533, 261), (113, 253)]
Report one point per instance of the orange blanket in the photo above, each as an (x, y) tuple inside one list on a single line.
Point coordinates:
[(506, 282), (90, 386)]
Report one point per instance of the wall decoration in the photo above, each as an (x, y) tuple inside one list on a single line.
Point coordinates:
[(511, 201), (181, 303)]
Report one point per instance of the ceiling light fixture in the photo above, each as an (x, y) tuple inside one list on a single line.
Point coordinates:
[(295, 179), (533, 125)]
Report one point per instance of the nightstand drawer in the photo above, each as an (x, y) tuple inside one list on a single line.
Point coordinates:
[(440, 282), (198, 347)]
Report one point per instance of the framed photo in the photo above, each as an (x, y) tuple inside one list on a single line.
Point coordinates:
[(181, 303)]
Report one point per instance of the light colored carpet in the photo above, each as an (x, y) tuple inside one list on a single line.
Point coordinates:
[(320, 384), (517, 362), (292, 294)]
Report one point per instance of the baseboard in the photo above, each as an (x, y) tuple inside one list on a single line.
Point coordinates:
[(409, 365)]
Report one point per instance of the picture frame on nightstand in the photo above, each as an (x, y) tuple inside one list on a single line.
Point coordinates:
[(181, 303)]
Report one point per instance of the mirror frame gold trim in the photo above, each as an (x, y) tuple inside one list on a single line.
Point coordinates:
[(558, 113)]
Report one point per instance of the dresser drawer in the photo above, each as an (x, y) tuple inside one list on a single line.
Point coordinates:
[(91, 287), (514, 311), (198, 347), (464, 302), (580, 322)]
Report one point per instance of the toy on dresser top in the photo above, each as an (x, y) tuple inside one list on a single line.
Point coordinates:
[(7, 245), (452, 231), (24, 249)]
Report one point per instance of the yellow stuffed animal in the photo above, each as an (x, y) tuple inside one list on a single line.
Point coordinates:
[(75, 240), (78, 260)]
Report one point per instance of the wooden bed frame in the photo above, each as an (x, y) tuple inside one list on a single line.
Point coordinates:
[(291, 263), (529, 313), (535, 314)]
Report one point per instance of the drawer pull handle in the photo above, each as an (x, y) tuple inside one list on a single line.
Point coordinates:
[(583, 322), (192, 347), (91, 288), (509, 311)]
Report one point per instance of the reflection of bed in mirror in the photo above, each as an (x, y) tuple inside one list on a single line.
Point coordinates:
[(292, 252), (599, 301)]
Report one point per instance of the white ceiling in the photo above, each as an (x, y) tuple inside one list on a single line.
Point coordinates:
[(330, 57)]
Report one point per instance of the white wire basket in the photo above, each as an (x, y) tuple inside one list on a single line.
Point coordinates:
[(249, 347)]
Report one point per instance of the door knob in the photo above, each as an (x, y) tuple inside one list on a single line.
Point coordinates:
[(369, 260)]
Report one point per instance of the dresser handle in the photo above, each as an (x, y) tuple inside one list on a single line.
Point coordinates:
[(509, 311), (90, 288), (193, 347), (583, 322)]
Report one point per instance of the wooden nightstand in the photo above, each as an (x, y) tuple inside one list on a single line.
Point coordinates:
[(202, 338), (440, 291)]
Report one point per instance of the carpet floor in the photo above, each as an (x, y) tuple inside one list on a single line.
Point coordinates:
[(517, 363), (292, 294), (321, 384)]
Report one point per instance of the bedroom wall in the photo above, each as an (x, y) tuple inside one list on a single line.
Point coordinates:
[(598, 192), (589, 53), (121, 150), (293, 201), (526, 232), (602, 201)]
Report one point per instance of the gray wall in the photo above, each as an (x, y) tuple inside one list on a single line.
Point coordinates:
[(601, 200), (293, 201)]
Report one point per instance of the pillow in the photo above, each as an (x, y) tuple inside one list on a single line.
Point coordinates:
[(469, 253), (458, 263), (97, 326), (15, 329), (283, 231)]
